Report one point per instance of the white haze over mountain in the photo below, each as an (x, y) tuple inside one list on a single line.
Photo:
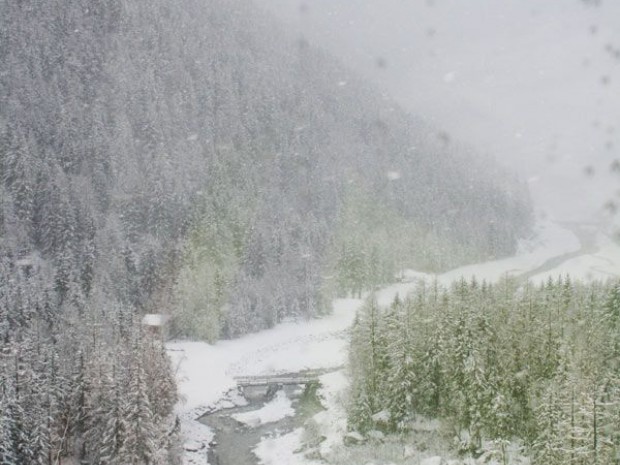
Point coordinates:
[(536, 84)]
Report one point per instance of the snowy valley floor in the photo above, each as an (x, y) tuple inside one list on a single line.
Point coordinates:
[(206, 372)]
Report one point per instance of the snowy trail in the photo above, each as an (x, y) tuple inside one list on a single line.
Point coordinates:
[(586, 235), (552, 245), (598, 258), (206, 372)]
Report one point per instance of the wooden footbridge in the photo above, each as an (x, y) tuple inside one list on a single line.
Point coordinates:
[(278, 380)]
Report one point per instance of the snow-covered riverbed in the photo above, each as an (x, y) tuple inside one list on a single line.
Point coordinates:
[(206, 372)]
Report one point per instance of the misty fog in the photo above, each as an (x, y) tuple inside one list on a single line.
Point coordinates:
[(535, 84)]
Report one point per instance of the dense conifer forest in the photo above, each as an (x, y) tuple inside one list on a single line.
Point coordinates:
[(499, 365), (191, 158)]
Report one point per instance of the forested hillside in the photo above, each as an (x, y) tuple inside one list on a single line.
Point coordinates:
[(191, 158)]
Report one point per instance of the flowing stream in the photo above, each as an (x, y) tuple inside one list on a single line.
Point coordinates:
[(235, 441)]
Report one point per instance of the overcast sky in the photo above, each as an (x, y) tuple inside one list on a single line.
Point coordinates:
[(535, 83)]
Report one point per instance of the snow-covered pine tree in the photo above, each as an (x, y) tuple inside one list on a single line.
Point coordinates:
[(112, 425), (161, 387), (8, 446), (554, 430), (401, 377), (139, 446), (369, 364)]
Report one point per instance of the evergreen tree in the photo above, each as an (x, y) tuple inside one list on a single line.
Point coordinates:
[(401, 377), (8, 447), (113, 434), (139, 446)]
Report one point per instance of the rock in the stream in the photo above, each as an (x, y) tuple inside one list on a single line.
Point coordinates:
[(193, 446), (353, 438)]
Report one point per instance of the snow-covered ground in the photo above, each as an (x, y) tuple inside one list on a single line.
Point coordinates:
[(550, 240), (282, 450), (333, 420), (600, 265), (277, 409), (206, 372)]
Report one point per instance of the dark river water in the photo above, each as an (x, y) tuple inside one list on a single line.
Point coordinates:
[(235, 441)]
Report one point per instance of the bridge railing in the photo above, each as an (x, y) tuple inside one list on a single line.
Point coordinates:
[(268, 380)]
